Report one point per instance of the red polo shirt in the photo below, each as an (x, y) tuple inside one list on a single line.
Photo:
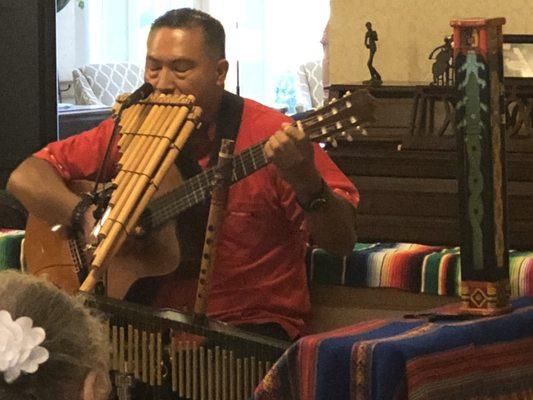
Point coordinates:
[(260, 272)]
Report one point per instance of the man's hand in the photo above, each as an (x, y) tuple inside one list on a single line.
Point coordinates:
[(333, 227), (290, 150)]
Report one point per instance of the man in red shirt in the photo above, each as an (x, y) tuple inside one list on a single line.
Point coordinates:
[(260, 279)]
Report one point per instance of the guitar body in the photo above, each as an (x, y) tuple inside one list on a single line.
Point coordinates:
[(157, 253)]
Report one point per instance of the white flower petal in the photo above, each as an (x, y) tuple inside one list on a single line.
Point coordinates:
[(11, 374), (4, 364), (25, 323), (39, 355), (24, 355), (5, 318), (37, 336), (29, 366)]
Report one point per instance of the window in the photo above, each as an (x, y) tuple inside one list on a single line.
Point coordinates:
[(267, 40)]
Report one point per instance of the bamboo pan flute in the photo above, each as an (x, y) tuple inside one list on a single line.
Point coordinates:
[(152, 134)]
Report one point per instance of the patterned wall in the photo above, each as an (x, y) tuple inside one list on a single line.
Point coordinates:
[(408, 31)]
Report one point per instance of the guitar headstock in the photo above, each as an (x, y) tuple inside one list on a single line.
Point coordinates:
[(341, 117)]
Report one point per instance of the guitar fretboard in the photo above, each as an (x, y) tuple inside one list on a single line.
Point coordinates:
[(198, 188)]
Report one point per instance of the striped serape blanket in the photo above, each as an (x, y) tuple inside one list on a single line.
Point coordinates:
[(409, 266), (484, 358)]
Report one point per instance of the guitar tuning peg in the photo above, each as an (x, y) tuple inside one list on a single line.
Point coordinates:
[(349, 137), (364, 132), (334, 111), (348, 104), (353, 120), (347, 94), (332, 141), (333, 100)]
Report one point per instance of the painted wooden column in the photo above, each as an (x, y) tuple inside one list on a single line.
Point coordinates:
[(480, 121)]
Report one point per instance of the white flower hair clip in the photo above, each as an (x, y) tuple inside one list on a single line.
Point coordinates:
[(19, 346)]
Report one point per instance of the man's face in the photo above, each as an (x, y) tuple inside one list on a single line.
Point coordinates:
[(178, 62)]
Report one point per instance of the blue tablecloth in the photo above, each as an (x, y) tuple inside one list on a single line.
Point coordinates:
[(411, 358)]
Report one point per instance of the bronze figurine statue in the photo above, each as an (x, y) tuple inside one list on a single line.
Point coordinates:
[(371, 37)]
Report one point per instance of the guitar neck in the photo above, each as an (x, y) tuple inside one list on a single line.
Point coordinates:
[(198, 188), (339, 116)]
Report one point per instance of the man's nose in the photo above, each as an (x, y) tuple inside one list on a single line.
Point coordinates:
[(165, 83)]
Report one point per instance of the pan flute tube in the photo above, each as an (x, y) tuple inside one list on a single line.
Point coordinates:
[(146, 130), (132, 117), (137, 174), (143, 145), (134, 120), (128, 156)]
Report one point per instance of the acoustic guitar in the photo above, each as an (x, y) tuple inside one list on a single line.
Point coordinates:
[(156, 252)]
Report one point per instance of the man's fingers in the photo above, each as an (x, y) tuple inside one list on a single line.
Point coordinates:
[(293, 132)]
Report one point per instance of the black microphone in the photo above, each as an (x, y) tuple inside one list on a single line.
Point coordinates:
[(141, 93)]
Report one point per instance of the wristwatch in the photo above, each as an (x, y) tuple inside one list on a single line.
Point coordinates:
[(319, 201)]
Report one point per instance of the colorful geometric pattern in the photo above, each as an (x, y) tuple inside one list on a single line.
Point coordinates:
[(408, 266), (488, 358), (413, 267)]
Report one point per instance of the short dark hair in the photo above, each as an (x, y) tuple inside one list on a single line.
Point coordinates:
[(215, 37)]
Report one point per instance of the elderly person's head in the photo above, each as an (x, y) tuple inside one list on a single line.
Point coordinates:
[(51, 347)]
